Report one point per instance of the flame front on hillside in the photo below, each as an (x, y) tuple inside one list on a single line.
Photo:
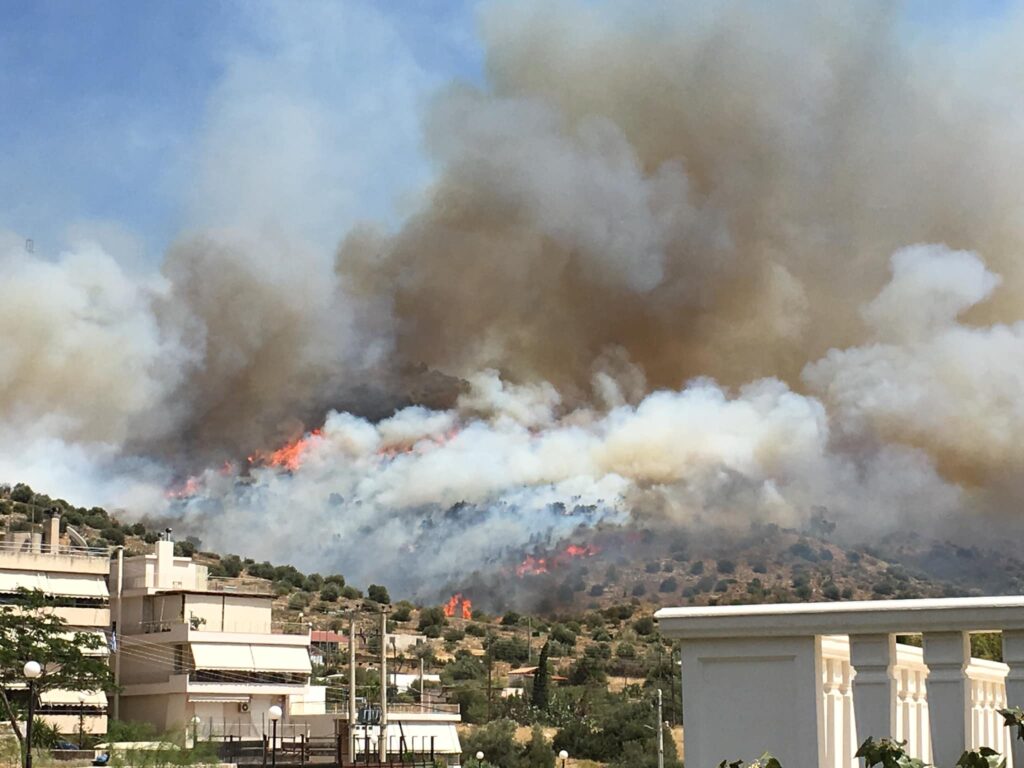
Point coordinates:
[(452, 606)]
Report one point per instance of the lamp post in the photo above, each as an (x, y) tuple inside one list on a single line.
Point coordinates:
[(563, 756), (479, 759), (195, 730), (275, 714), (32, 671), (81, 719)]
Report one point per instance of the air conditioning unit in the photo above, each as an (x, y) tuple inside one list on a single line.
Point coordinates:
[(243, 706)]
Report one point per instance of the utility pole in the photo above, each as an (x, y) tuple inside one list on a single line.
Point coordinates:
[(118, 632), (661, 735), (352, 687), (383, 743), (422, 702)]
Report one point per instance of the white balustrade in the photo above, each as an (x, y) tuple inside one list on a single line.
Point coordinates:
[(809, 682)]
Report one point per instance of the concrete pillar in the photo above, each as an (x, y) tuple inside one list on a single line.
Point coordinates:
[(873, 658), (947, 655), (1013, 656), (51, 535), (748, 695), (164, 564)]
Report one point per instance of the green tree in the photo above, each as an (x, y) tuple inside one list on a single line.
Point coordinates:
[(497, 741), (538, 752), (539, 698), (29, 632), (378, 594)]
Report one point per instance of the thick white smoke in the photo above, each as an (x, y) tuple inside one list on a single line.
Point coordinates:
[(682, 264)]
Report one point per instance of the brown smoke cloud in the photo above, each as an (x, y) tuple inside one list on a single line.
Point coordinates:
[(715, 192)]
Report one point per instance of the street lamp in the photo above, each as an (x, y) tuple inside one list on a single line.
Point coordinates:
[(275, 714), (81, 719), (195, 730), (563, 756), (32, 671), (479, 758)]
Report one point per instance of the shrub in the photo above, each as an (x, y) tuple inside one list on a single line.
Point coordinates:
[(697, 568), (644, 625), (652, 567), (402, 612), (378, 594), (726, 566), (668, 585), (330, 593)]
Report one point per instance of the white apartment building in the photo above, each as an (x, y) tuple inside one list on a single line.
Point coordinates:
[(75, 579), (191, 646)]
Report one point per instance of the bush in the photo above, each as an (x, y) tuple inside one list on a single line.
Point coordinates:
[(378, 594), (477, 630), (351, 593), (453, 635), (298, 601), (652, 567), (562, 634), (432, 617), (697, 568), (668, 585), (644, 625), (639, 590), (511, 619), (433, 631), (726, 566), (330, 593)]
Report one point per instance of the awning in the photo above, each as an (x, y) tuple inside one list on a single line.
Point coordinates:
[(62, 585), (219, 699), (12, 581), (281, 658), (61, 697), (227, 657), (67, 585), (102, 650), (418, 736), (252, 658)]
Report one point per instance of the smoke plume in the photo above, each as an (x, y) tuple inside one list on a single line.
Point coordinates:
[(677, 264)]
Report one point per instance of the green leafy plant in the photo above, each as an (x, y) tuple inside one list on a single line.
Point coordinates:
[(981, 758), (1014, 718), (888, 754), (764, 761)]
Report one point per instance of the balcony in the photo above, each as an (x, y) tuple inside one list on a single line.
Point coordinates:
[(183, 630), (33, 555), (810, 682), (239, 586)]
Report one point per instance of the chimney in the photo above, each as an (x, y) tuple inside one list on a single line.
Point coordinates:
[(164, 563), (51, 533)]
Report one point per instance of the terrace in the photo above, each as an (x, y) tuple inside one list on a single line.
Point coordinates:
[(809, 682)]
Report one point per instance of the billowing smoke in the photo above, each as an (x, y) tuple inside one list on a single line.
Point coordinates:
[(677, 264)]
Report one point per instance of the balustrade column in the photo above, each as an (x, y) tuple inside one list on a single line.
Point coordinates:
[(1013, 656), (874, 685), (947, 655)]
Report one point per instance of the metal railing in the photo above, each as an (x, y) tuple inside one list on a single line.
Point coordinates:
[(29, 547), (242, 586), (341, 708), (258, 628)]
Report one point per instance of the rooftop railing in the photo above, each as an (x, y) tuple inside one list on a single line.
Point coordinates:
[(241, 586), (29, 547), (809, 682)]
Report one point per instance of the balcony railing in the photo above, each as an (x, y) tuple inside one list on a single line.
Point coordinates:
[(29, 547), (809, 682), (241, 586), (254, 628), (341, 708)]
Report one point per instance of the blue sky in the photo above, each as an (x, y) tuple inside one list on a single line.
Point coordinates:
[(146, 117), (135, 120)]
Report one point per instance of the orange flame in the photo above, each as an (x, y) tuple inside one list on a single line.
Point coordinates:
[(397, 449), (452, 605), (186, 490), (289, 456), (534, 566)]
